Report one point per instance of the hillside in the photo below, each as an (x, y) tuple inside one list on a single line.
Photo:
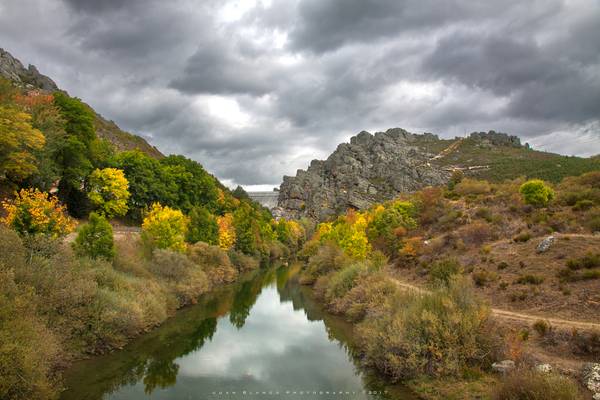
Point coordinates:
[(30, 79), (375, 168)]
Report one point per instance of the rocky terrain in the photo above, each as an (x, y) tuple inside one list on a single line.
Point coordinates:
[(375, 168), (30, 78)]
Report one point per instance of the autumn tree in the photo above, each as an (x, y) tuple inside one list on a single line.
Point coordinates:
[(165, 228), (34, 212), (18, 142), (226, 231), (108, 191)]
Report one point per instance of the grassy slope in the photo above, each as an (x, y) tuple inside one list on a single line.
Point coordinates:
[(511, 162)]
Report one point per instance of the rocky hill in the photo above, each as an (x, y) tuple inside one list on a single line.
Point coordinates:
[(30, 78), (375, 168)]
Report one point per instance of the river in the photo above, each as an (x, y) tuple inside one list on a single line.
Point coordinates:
[(263, 337)]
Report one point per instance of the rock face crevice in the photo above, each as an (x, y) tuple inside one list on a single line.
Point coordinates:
[(369, 169)]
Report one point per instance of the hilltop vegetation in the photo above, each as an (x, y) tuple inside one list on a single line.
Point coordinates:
[(470, 244)]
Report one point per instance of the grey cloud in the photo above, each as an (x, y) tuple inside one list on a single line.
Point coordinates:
[(307, 74)]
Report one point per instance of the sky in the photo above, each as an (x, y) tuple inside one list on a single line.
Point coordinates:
[(256, 89)]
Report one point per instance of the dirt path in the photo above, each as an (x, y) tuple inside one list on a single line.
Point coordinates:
[(518, 317), (447, 150)]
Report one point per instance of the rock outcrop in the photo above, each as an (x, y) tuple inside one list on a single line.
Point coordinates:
[(13, 70), (369, 169)]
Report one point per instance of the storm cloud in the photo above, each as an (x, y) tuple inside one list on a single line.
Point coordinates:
[(256, 89)]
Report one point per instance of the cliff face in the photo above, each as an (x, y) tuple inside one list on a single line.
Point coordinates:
[(13, 70), (30, 78), (369, 169)]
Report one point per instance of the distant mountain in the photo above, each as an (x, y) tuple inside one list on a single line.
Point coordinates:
[(376, 168), (13, 70)]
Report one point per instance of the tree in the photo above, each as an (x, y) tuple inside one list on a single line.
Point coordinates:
[(148, 182), (226, 231), (34, 212), (536, 193), (108, 191), (246, 229), (389, 224), (95, 239), (78, 116), (165, 228), (203, 227), (18, 142)]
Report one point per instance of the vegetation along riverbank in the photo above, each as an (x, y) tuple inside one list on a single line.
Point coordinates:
[(472, 290), (63, 299)]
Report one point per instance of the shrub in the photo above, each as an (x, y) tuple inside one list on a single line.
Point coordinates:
[(164, 228), (28, 350), (343, 280), (472, 187), (582, 205), (369, 295), (438, 334), (522, 237), (590, 260), (108, 191), (34, 212), (503, 265), (542, 327), (476, 233), (536, 193), (531, 385), (95, 239), (214, 262), (242, 261), (329, 258), (530, 279), (483, 277), (441, 272), (184, 278)]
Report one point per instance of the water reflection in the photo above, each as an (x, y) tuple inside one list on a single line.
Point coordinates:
[(275, 339)]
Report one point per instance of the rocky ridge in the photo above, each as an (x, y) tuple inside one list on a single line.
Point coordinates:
[(369, 169)]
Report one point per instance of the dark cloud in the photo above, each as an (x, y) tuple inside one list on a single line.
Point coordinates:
[(256, 89)]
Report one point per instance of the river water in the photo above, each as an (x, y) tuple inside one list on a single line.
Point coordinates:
[(263, 337)]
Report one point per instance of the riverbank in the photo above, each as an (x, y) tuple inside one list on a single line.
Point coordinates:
[(263, 333), (57, 308)]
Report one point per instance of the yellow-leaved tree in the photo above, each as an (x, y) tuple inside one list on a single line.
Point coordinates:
[(226, 231), (108, 191), (34, 212), (18, 141), (165, 228)]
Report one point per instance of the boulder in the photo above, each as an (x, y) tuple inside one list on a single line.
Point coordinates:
[(503, 367), (544, 368), (591, 378), (545, 244)]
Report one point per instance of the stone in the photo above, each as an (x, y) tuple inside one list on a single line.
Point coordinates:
[(545, 244), (591, 378), (503, 367), (367, 170), (544, 368), (13, 70)]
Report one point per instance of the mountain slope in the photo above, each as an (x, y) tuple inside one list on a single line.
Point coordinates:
[(375, 168), (30, 78)]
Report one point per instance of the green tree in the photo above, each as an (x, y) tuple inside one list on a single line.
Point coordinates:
[(79, 118), (536, 193), (246, 229), (95, 239), (108, 191), (203, 227), (148, 183)]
